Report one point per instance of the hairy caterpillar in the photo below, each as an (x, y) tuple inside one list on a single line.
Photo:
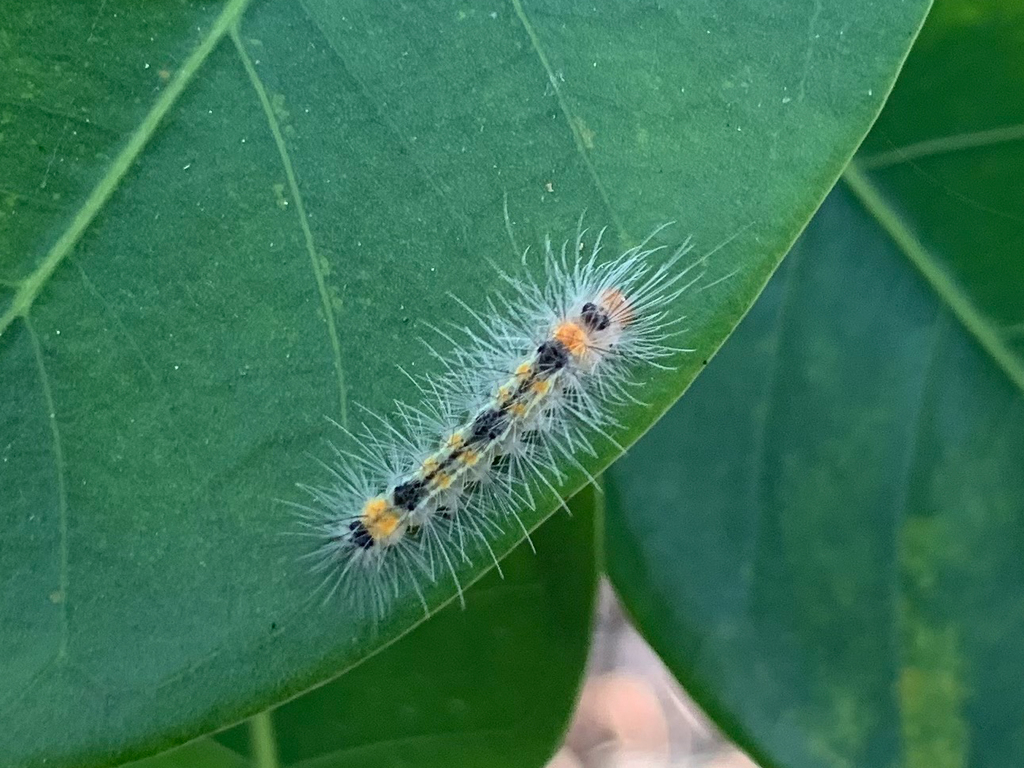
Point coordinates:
[(522, 393)]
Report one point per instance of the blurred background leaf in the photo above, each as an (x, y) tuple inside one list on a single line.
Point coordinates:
[(222, 222), (824, 540)]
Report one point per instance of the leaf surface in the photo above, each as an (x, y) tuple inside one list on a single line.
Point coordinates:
[(223, 222)]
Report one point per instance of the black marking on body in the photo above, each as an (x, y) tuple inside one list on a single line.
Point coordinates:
[(595, 318), (360, 535), (447, 462), (409, 494), (489, 425), (552, 356)]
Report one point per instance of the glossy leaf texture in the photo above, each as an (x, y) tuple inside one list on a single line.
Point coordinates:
[(224, 222), (825, 539)]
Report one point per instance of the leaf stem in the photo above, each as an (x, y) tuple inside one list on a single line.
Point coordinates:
[(262, 741)]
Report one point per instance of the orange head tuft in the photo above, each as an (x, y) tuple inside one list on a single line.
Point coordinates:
[(573, 337)]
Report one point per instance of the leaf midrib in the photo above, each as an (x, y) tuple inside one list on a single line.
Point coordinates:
[(952, 296), (33, 284)]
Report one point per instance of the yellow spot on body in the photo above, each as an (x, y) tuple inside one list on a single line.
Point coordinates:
[(384, 526), (504, 393), (442, 480), (573, 337), (379, 518), (469, 458), (542, 387), (374, 508), (523, 371), (518, 410), (456, 440), (429, 465)]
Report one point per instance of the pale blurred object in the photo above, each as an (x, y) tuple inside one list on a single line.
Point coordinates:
[(633, 714), (565, 758)]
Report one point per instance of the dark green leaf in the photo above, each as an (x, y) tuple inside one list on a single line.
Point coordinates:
[(824, 540), (222, 223)]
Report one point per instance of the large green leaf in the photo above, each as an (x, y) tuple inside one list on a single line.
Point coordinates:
[(222, 223), (825, 539)]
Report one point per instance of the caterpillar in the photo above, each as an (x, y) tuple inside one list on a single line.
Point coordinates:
[(523, 392)]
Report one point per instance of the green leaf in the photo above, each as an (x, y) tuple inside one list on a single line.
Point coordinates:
[(823, 540), (222, 223), (491, 685)]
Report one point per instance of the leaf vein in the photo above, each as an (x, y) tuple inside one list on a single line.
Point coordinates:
[(759, 474), (570, 118), (944, 145), (101, 193), (62, 496), (300, 209)]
